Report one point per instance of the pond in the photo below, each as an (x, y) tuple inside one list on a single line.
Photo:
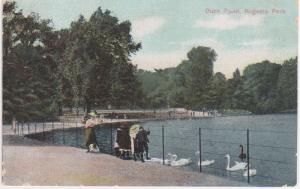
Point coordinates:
[(272, 144)]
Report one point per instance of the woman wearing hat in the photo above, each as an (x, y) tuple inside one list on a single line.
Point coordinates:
[(123, 140), (90, 135)]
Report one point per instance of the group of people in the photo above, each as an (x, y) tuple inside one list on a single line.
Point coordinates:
[(131, 141)]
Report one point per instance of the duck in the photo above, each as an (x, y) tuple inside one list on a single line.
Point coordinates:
[(180, 162), (205, 162), (252, 172), (242, 155), (238, 165)]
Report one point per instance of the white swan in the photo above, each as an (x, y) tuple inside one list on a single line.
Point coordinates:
[(181, 162), (205, 162), (238, 165), (160, 161), (252, 172)]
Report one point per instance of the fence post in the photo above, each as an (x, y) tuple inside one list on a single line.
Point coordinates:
[(76, 134), (35, 127), (52, 131), (28, 129), (22, 128), (18, 128), (163, 143), (44, 129), (111, 139), (63, 131), (200, 151), (248, 167)]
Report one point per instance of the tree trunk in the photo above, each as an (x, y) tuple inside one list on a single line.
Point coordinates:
[(60, 109), (77, 111), (88, 107)]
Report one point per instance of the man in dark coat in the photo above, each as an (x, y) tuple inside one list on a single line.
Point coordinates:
[(142, 143)]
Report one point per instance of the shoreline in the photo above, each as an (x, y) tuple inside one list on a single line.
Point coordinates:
[(72, 166)]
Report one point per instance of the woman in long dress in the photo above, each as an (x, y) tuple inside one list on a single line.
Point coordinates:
[(90, 134), (123, 140)]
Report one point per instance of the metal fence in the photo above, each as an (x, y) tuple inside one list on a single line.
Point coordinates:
[(270, 160), (277, 159)]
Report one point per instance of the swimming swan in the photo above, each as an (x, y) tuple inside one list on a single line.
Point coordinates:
[(205, 162), (252, 172), (238, 165), (160, 161), (181, 162), (242, 155)]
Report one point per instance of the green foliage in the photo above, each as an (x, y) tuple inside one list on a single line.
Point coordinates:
[(97, 62), (187, 85), (260, 87), (233, 92), (88, 65), (216, 94), (85, 65), (287, 85), (265, 87), (197, 75), (27, 79)]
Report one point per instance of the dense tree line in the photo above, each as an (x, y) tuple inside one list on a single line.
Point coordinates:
[(86, 65), (264, 87)]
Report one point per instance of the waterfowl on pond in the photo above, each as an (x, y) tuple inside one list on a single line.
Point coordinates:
[(160, 161), (242, 155), (238, 165), (181, 162), (204, 162), (252, 172)]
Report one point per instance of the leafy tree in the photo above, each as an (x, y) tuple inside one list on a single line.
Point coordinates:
[(98, 51), (260, 87), (125, 90), (287, 85), (233, 91), (198, 74), (27, 83), (216, 94)]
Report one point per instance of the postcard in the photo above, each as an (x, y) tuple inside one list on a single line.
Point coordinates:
[(149, 93)]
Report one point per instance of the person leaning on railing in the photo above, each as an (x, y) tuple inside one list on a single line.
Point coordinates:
[(90, 135)]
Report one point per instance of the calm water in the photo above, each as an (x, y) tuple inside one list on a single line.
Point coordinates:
[(272, 139)]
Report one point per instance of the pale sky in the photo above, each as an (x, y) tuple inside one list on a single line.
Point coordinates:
[(168, 29)]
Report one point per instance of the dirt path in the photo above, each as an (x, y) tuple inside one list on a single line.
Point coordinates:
[(30, 162)]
